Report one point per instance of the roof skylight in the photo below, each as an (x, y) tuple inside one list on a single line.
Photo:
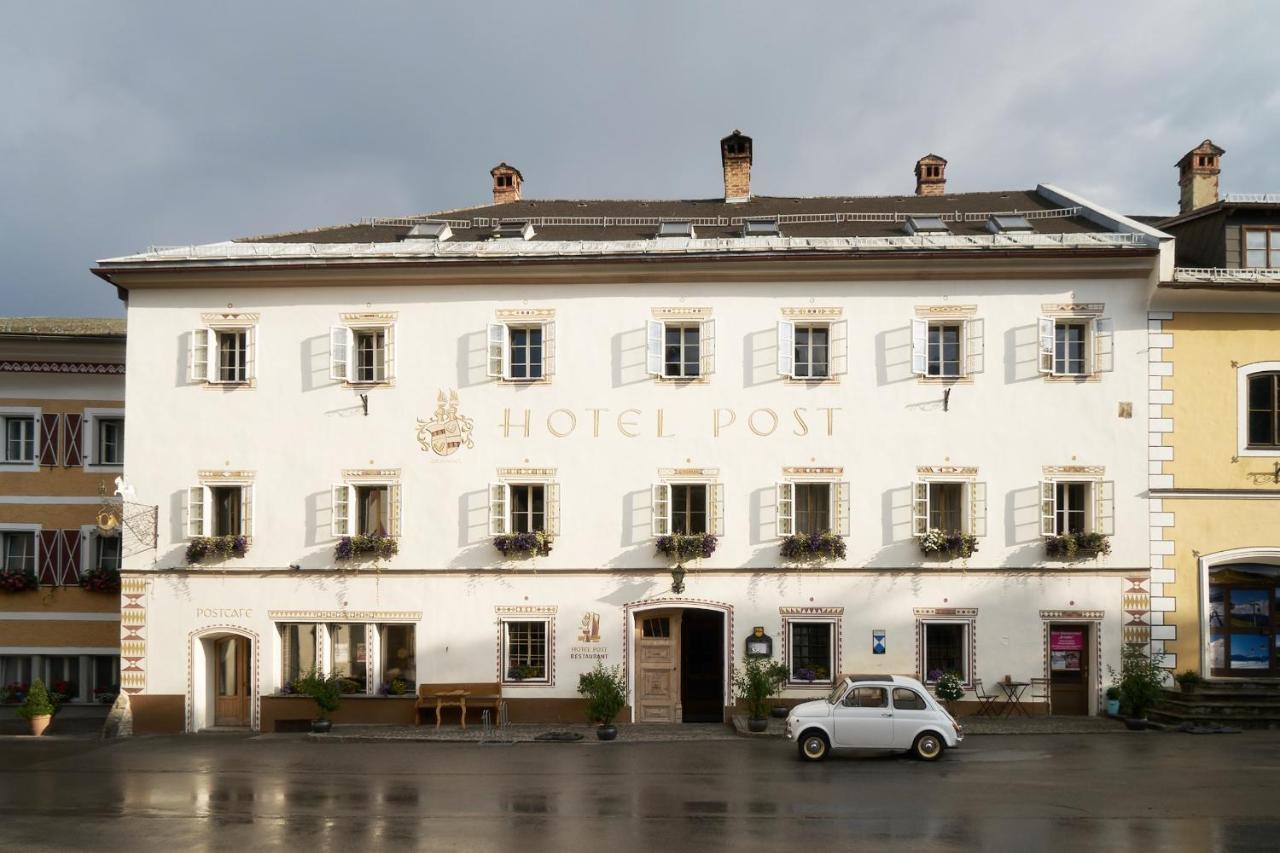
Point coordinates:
[(430, 231), (519, 229), (1008, 223), (761, 228), (926, 225), (676, 228)]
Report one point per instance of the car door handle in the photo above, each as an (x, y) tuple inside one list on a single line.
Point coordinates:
[(887, 714)]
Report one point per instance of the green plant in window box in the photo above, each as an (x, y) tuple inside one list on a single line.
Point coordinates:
[(15, 580), (686, 546), (1076, 546), (358, 547), (518, 545), (221, 547), (947, 545), (803, 547), (519, 672)]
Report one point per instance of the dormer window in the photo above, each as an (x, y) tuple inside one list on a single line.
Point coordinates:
[(514, 230), (761, 228), (1008, 223), (926, 225), (676, 228), (429, 231)]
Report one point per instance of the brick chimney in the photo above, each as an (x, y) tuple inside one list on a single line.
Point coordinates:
[(506, 183), (931, 175), (735, 156), (1198, 176)]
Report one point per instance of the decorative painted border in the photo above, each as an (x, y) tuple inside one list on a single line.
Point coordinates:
[(681, 313), (946, 310), (674, 473), (1073, 309), (812, 313), (1059, 470), (62, 367), (947, 614), (504, 473), (811, 471), (831, 615), (527, 613), (1092, 618), (370, 317), (947, 470), (518, 314), (230, 318), (629, 611), (1159, 451), (133, 645), (220, 476), (345, 615)]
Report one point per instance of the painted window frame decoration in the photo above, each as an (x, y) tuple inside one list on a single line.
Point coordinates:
[(662, 503), (1097, 344), (787, 511), (832, 618), (92, 435), (1245, 373), (204, 351), (973, 500), (345, 347), (499, 346), (791, 365), (963, 616), (501, 504), (519, 615), (927, 360), (656, 363)]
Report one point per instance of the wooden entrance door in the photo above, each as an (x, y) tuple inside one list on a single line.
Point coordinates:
[(231, 681), (658, 667), (1069, 668)]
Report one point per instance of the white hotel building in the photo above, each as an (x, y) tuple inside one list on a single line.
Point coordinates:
[(607, 372)]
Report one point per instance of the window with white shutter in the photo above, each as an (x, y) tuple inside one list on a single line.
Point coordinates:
[(660, 501), (919, 346), (947, 348), (920, 508), (715, 496), (499, 500), (340, 345), (197, 511), (786, 509), (521, 352), (1075, 346), (683, 349), (786, 348), (1045, 338), (496, 350), (343, 500), (654, 331), (363, 353), (949, 506), (198, 355), (974, 346), (707, 342), (841, 509)]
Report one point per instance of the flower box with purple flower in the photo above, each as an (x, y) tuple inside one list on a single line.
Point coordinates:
[(686, 546), (813, 546), (218, 547), (517, 545), (947, 545), (363, 547)]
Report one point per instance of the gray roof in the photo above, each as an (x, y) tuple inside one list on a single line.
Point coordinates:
[(63, 327), (612, 220)]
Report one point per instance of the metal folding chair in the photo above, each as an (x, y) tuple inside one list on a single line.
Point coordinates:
[(1040, 692), (986, 701)]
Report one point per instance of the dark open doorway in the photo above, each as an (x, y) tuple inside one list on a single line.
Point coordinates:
[(702, 666)]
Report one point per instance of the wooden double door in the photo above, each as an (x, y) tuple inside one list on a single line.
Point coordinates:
[(231, 685), (679, 666)]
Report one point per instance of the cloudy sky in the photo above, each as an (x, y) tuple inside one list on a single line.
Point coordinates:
[(128, 124)]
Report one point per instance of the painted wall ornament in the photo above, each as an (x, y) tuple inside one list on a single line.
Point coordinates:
[(447, 430), (589, 628)]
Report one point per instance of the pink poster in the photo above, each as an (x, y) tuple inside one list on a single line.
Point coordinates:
[(1066, 641)]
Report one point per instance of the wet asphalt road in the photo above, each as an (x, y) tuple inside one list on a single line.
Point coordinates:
[(1144, 791)]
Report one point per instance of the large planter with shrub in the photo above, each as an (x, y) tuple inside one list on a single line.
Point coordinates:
[(948, 545), (686, 546), (38, 708), (217, 547), (754, 683), (1076, 546), (804, 547), (516, 546), (605, 691), (326, 691), (365, 548), (1140, 680)]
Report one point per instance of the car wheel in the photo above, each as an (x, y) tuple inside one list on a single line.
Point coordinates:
[(814, 746), (928, 746)]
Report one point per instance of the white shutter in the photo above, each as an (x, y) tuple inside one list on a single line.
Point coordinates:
[(250, 353), (661, 505), (340, 341), (654, 332), (549, 349), (344, 500), (715, 512), (1048, 508), (198, 355), (1104, 521), (553, 508), (974, 347), (496, 348), (1045, 335), (246, 510), (1103, 359), (194, 510), (919, 346), (838, 348), (393, 510), (786, 348), (920, 508), (978, 509), (840, 512), (388, 354), (498, 501), (786, 509), (707, 347)]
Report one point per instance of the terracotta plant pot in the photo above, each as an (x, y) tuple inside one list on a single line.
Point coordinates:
[(758, 724), (607, 732), (321, 726), (40, 723)]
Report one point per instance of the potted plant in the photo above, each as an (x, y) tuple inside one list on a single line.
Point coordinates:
[(803, 547), (1188, 680), (949, 687), (221, 547), (356, 547), (1073, 546), (758, 679), (519, 672), (605, 694), (523, 545), (944, 545), (15, 580), (1141, 679), (39, 707), (1113, 701), (326, 691), (101, 580), (686, 546)]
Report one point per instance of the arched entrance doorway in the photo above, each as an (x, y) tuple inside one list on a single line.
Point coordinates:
[(1241, 594), (224, 680), (679, 661)]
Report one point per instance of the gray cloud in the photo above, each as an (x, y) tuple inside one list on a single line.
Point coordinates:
[(128, 124)]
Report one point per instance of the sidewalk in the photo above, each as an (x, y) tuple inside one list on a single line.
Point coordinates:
[(991, 726)]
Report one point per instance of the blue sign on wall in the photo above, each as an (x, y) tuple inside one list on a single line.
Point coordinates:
[(877, 641)]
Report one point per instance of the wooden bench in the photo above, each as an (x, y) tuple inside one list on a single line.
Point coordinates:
[(461, 695)]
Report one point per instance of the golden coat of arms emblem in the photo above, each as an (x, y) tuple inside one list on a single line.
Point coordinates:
[(447, 430)]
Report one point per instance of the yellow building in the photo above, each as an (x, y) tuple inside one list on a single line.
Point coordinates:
[(62, 431), (1214, 338)]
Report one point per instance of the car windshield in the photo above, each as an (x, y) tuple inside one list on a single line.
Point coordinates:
[(835, 693)]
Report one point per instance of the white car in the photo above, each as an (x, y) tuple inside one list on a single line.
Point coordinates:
[(888, 712)]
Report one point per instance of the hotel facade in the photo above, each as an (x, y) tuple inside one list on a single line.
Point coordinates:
[(892, 434)]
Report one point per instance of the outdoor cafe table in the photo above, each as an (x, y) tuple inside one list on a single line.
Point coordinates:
[(1013, 691)]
